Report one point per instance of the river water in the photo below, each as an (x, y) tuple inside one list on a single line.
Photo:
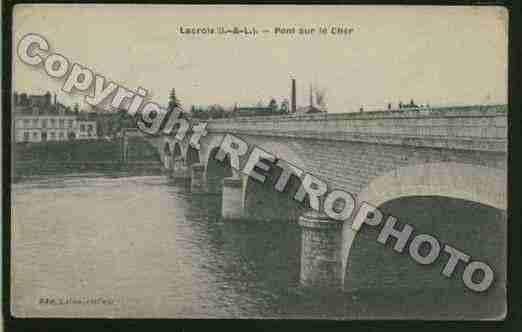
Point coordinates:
[(149, 248)]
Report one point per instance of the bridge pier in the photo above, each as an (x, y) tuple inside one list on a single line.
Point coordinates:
[(167, 163), (321, 265), (197, 179), (232, 204)]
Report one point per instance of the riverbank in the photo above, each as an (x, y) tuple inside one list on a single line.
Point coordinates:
[(83, 150), (102, 156), (27, 169)]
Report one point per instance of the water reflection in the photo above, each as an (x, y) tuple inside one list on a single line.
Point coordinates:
[(163, 252)]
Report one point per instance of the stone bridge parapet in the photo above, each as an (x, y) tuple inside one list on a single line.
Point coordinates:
[(470, 128)]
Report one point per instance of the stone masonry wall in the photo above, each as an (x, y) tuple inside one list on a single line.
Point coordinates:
[(349, 150), (352, 165)]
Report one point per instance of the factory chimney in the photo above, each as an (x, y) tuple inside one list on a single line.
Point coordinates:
[(293, 96), (311, 97)]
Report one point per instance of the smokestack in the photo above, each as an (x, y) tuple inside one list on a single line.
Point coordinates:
[(293, 96), (311, 97), (48, 100)]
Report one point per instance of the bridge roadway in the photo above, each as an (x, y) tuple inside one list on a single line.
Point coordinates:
[(456, 152)]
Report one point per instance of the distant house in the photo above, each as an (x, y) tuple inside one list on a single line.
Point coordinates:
[(36, 118)]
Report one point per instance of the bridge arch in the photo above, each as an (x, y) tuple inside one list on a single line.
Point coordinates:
[(192, 156), (166, 155), (474, 183), (176, 151), (466, 205), (216, 171), (261, 200), (166, 149)]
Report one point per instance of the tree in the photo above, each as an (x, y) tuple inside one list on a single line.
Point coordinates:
[(198, 112), (48, 100), (216, 111), (285, 106), (173, 100), (273, 105), (320, 99)]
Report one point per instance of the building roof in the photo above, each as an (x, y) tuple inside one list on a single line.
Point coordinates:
[(26, 113), (39, 111), (38, 105)]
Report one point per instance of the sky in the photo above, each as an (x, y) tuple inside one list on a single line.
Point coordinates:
[(435, 55)]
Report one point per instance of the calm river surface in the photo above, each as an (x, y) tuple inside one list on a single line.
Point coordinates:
[(151, 249)]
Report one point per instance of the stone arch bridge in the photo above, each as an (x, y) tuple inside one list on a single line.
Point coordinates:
[(458, 152)]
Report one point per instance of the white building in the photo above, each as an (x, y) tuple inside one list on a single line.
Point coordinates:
[(42, 128), (36, 119), (86, 129)]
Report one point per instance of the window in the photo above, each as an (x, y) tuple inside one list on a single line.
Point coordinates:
[(35, 135), (52, 135), (82, 127), (35, 123), (26, 136), (53, 123), (89, 127), (27, 123), (62, 123), (62, 135), (44, 123), (89, 134), (70, 123)]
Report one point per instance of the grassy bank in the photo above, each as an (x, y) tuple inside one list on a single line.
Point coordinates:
[(91, 151), (78, 156)]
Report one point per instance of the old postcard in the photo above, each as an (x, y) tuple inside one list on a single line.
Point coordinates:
[(302, 162)]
